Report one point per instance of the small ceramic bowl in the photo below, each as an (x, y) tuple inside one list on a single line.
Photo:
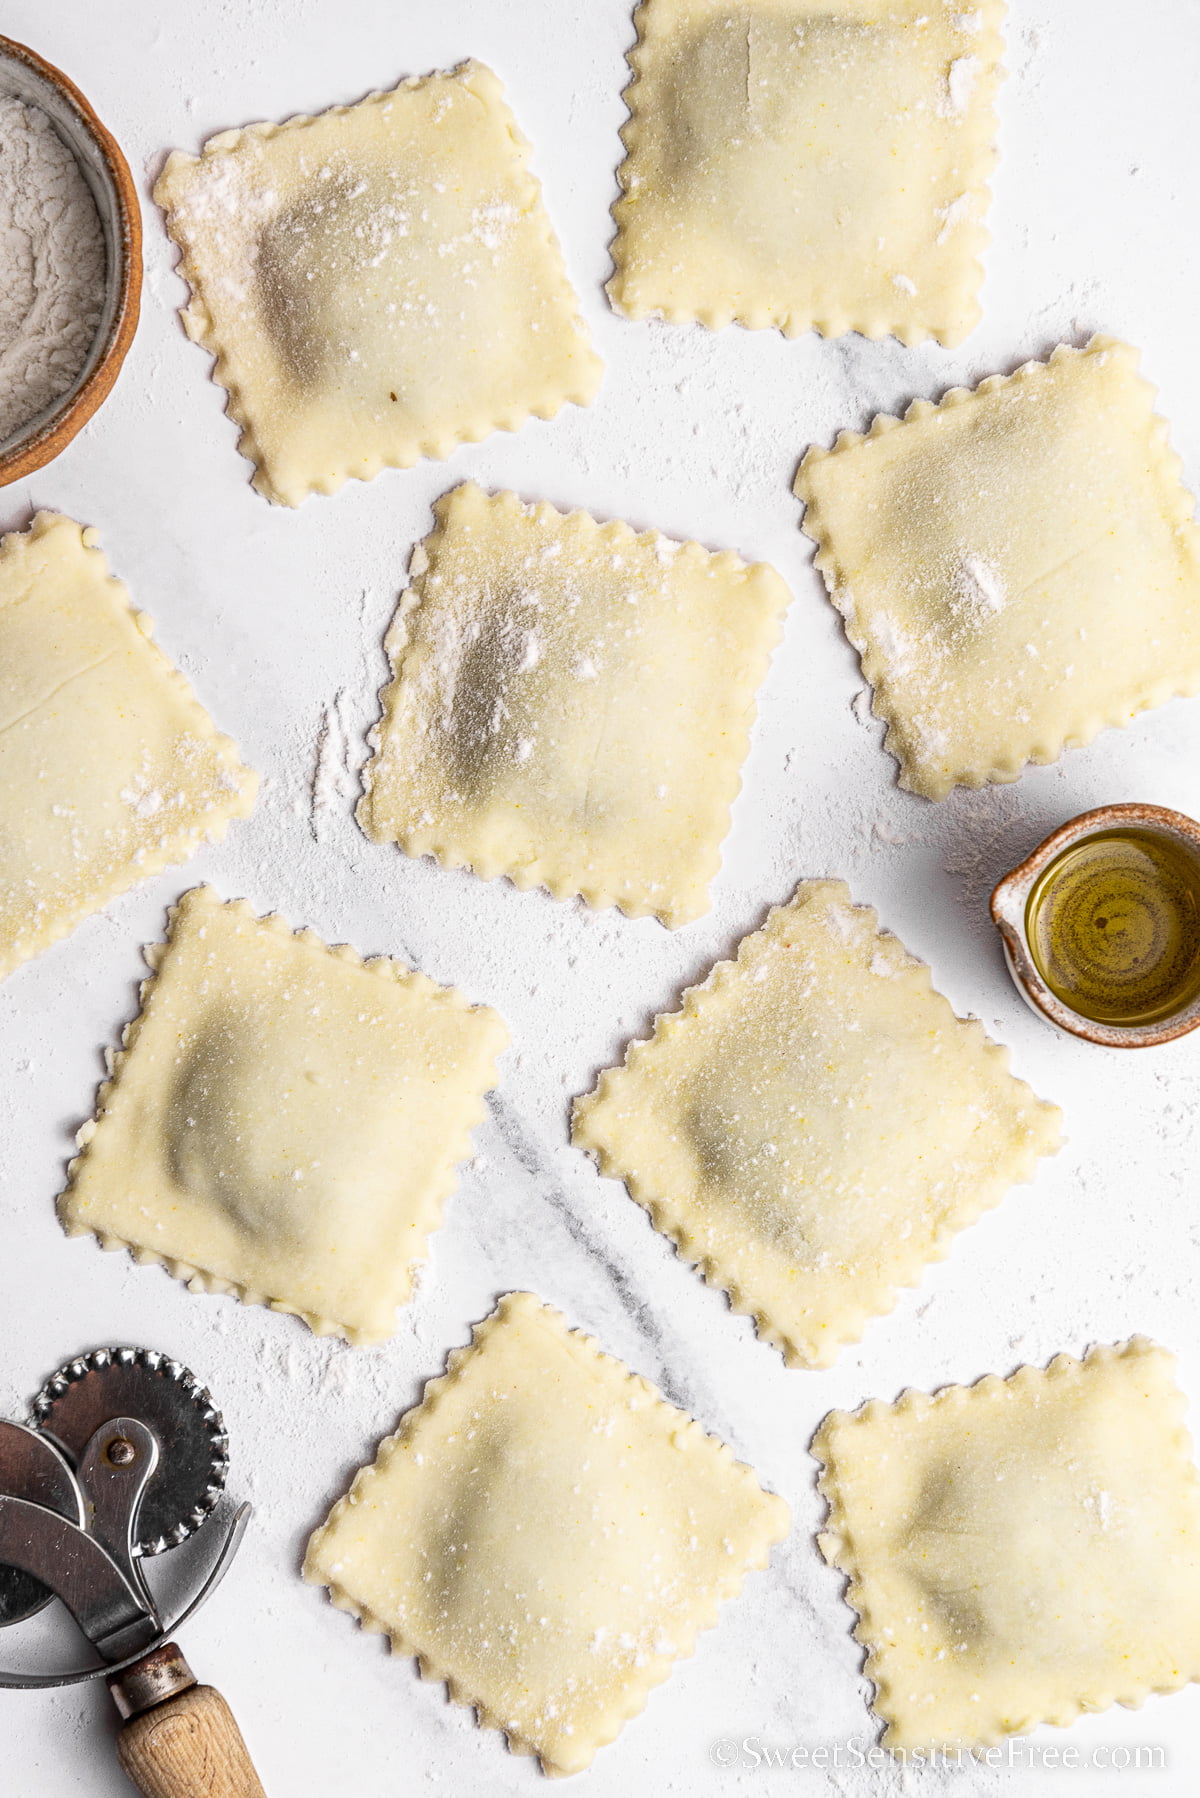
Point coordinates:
[(26, 76), (1010, 901)]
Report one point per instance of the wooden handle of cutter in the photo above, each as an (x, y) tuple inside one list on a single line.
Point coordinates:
[(189, 1747)]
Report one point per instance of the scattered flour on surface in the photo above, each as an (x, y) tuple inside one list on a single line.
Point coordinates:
[(334, 779), (979, 591), (960, 83), (897, 649), (143, 801), (953, 215), (841, 923)]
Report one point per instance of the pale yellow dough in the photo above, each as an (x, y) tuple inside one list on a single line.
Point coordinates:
[(546, 1534), (1022, 1550), (284, 1120), (377, 283), (1017, 567), (109, 769), (809, 164), (572, 703), (815, 1125)]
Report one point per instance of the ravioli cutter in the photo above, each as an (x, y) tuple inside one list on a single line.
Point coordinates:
[(124, 1457)]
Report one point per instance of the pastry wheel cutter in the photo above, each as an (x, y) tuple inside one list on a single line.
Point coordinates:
[(124, 1457)]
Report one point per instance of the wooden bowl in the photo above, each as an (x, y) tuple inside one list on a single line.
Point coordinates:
[(26, 76), (1008, 908)]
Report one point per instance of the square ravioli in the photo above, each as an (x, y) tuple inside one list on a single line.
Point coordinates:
[(815, 1124), (1017, 567), (1019, 1551), (109, 769), (546, 1534), (809, 164), (284, 1120), (377, 283), (572, 703)]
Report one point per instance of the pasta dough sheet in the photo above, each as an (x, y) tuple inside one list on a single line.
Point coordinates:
[(546, 1534), (809, 163), (284, 1121), (572, 703), (109, 769), (1017, 567), (815, 1125), (1022, 1550), (378, 283)]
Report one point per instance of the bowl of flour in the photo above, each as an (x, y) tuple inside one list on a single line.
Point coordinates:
[(70, 261)]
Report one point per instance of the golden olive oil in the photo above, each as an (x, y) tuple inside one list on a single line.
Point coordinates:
[(1114, 926)]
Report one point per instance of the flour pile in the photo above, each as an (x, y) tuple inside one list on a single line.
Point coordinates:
[(52, 266)]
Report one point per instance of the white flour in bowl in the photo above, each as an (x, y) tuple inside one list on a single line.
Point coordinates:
[(52, 266)]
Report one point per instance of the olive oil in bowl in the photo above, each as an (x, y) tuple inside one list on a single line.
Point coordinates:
[(1113, 925)]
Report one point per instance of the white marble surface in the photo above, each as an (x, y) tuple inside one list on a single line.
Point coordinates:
[(276, 616)]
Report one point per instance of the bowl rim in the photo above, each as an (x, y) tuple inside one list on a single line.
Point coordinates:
[(32, 452), (1011, 894)]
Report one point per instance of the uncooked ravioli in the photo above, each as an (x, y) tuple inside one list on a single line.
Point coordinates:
[(808, 163), (1018, 567), (109, 768), (1019, 1551), (379, 282), (546, 1534), (285, 1119), (814, 1125), (572, 703)]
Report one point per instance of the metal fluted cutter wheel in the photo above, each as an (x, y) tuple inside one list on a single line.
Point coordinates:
[(194, 1447)]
